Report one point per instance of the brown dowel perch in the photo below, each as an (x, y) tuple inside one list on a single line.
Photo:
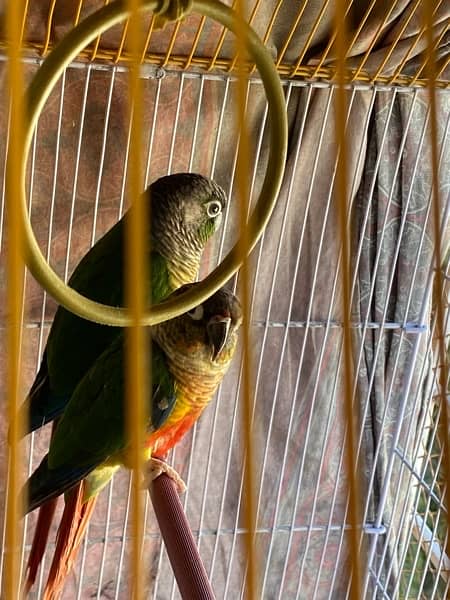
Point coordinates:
[(187, 565)]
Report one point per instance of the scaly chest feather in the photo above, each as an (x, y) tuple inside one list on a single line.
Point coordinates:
[(179, 422)]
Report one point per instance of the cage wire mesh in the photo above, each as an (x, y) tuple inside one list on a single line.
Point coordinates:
[(76, 184)]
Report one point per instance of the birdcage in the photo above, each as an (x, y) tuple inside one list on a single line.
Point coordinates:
[(320, 468)]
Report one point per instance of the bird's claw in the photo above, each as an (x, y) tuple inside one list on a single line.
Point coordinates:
[(155, 467)]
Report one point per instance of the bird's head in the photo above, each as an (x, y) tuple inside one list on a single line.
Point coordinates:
[(218, 319), (187, 209), (206, 336)]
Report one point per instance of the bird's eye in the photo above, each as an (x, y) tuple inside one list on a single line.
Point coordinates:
[(196, 313), (213, 209)]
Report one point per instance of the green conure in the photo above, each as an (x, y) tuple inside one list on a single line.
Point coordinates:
[(186, 209), (190, 355)]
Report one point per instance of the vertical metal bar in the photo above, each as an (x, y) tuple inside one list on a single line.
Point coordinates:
[(196, 122), (175, 124), (365, 220), (102, 154), (76, 171), (137, 280), (219, 127), (429, 7), (105, 543), (53, 198), (341, 197), (123, 191), (31, 446), (296, 154), (232, 180), (122, 548), (152, 132), (14, 298), (83, 563)]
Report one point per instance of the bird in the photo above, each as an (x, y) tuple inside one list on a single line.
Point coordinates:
[(186, 209), (189, 357)]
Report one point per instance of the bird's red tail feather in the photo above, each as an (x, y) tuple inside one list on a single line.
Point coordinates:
[(45, 518), (71, 531)]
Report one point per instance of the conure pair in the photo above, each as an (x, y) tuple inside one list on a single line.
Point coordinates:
[(81, 378)]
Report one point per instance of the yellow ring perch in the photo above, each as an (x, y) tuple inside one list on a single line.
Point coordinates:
[(40, 89)]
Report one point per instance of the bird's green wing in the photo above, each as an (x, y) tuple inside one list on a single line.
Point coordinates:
[(92, 427), (74, 343)]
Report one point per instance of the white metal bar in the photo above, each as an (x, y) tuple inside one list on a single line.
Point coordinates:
[(76, 171), (221, 249), (105, 543), (175, 124), (431, 387), (152, 135), (219, 127), (196, 122), (102, 154), (83, 563), (31, 445), (359, 252), (232, 177), (435, 550), (122, 548), (334, 392), (123, 189)]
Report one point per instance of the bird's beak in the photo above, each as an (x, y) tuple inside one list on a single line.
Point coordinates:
[(218, 329)]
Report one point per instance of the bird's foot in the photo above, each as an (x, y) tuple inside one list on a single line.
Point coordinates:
[(155, 467)]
